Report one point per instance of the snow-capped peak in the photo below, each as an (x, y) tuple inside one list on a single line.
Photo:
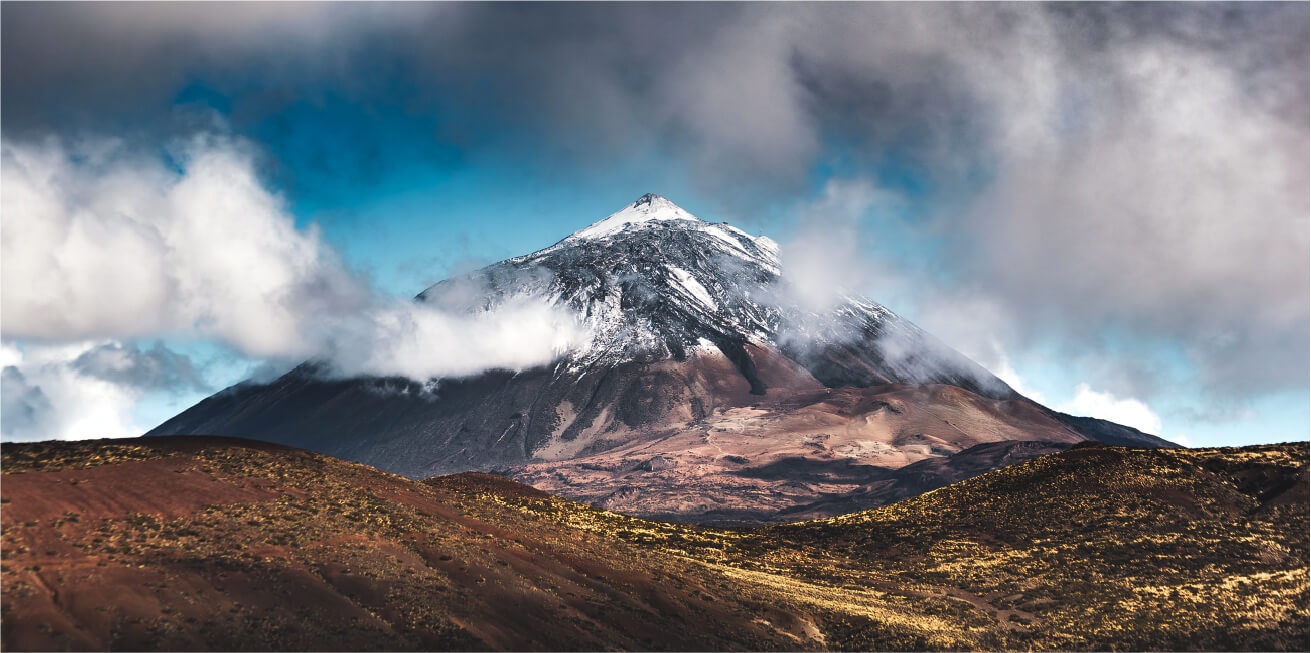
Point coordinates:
[(654, 282), (647, 208)]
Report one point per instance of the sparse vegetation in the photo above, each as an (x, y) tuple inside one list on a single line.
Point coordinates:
[(55, 455), (1096, 548)]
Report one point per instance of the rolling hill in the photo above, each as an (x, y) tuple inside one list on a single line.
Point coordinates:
[(194, 543)]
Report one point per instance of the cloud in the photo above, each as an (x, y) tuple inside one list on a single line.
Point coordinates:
[(1167, 198), (157, 368), (46, 397), (830, 262), (101, 241), (92, 66), (1088, 402), (825, 261), (102, 244), (1078, 168), (1103, 405), (421, 342), (1091, 170), (24, 408), (1007, 373), (735, 97)]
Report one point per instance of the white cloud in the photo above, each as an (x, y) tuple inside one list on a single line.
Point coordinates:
[(1006, 372), (100, 244), (421, 342), (1104, 405), (824, 262), (1182, 439), (45, 397), (99, 241), (1086, 402)]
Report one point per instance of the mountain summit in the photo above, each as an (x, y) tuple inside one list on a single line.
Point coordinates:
[(704, 392), (647, 208), (651, 281)]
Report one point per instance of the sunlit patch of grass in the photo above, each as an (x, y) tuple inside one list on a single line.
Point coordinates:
[(54, 456)]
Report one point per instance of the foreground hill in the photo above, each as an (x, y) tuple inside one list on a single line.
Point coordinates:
[(211, 543), (703, 384)]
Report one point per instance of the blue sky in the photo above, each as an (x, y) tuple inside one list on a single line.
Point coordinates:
[(1106, 205)]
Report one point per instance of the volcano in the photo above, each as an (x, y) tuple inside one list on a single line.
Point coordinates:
[(705, 391)]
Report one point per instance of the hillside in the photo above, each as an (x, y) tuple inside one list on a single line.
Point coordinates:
[(209, 543)]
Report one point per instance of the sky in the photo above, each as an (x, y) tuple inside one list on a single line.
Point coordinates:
[(1104, 204)]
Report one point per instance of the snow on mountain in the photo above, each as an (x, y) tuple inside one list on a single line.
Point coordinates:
[(652, 281), (647, 208), (648, 281)]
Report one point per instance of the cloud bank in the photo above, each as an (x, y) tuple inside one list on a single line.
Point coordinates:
[(101, 241)]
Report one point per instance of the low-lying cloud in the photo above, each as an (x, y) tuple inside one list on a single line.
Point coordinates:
[(1104, 405), (421, 342), (106, 244), (825, 261), (830, 263), (44, 396)]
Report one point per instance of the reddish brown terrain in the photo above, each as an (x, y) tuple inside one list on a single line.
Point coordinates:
[(205, 543), (197, 543), (799, 451)]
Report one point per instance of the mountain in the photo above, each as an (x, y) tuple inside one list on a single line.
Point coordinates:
[(704, 392), (219, 544)]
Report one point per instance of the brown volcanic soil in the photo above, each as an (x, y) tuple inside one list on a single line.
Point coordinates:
[(812, 451), (258, 547), (203, 543)]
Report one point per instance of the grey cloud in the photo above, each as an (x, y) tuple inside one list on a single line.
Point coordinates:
[(24, 408), (1088, 166), (95, 65), (1139, 169), (735, 90), (157, 368), (1169, 203)]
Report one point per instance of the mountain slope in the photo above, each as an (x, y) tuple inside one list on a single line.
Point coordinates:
[(207, 543), (693, 334)]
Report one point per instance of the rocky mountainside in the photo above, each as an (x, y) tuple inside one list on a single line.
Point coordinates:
[(217, 544), (701, 385), (653, 282)]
